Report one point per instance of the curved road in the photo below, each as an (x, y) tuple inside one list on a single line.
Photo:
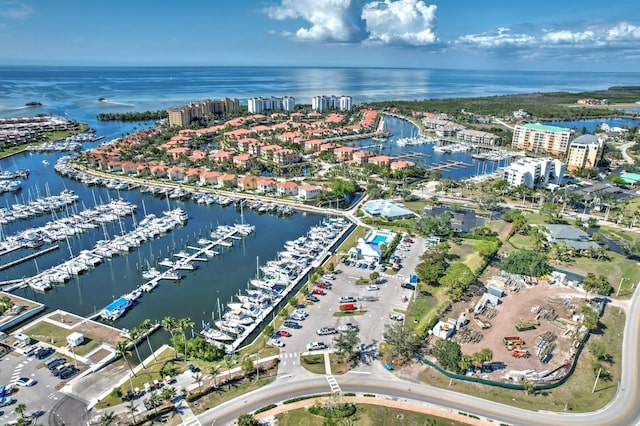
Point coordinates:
[(623, 410)]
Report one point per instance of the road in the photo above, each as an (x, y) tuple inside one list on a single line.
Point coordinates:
[(623, 149), (623, 410)]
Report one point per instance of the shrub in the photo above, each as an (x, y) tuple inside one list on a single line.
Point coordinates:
[(265, 408), (333, 411)]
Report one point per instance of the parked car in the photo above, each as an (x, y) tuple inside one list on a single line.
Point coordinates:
[(383, 268), (348, 327), (316, 346), (396, 317), (283, 333), (318, 292), (323, 285), (324, 331), (25, 381), (193, 369), (312, 298), (372, 287), (347, 299), (408, 286), (44, 352), (292, 324), (329, 277), (276, 342), (32, 350), (53, 363), (69, 373), (407, 240)]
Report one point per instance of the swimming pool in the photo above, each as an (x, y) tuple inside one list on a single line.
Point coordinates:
[(378, 239)]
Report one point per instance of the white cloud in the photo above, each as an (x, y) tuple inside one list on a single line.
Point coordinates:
[(331, 20), (569, 37), (15, 10), (623, 32), (501, 37), (404, 21)]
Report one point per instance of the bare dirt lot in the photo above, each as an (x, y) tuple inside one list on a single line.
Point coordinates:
[(530, 303)]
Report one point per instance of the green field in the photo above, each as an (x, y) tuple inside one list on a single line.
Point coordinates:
[(366, 415)]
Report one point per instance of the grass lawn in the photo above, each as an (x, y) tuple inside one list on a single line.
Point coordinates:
[(366, 415), (467, 254), (57, 336), (225, 393), (616, 269), (620, 234), (572, 392), (422, 308), (415, 206), (522, 242), (352, 239)]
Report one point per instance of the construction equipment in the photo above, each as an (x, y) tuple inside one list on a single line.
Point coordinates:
[(513, 340), (526, 324), (520, 353), (481, 324)]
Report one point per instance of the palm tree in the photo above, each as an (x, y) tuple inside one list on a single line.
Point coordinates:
[(213, 370), (170, 324), (168, 393), (20, 409), (183, 325), (123, 351), (228, 362), (133, 337), (198, 378), (146, 328), (107, 418), (155, 399), (132, 409)]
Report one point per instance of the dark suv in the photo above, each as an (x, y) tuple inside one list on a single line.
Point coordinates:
[(408, 285)]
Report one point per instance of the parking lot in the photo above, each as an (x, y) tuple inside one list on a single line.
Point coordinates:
[(373, 306)]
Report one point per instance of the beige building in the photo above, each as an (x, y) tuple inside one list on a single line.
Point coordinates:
[(183, 115), (584, 152), (541, 138)]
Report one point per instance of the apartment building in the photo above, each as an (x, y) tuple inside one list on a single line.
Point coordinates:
[(324, 103), (533, 172), (182, 116), (585, 151), (260, 104), (541, 138)]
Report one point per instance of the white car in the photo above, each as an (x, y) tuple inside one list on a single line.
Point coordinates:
[(25, 381), (276, 342), (372, 287), (316, 346)]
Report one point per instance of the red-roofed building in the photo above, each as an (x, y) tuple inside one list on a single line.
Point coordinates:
[(227, 180), (192, 175), (307, 192), (129, 167), (266, 151), (287, 188), (312, 145), (381, 160), (247, 183), (244, 161), (245, 143), (178, 151), (261, 129), (328, 146), (221, 156), (344, 153), (158, 171), (361, 158), (236, 134), (114, 166), (285, 156), (209, 178), (197, 155), (289, 137), (266, 184), (176, 173), (402, 164)]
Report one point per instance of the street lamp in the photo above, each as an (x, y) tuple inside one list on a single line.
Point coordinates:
[(620, 285)]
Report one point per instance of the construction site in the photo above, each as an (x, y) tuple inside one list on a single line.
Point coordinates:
[(533, 327)]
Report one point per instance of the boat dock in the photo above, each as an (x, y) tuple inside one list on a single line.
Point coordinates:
[(29, 257), (448, 165)]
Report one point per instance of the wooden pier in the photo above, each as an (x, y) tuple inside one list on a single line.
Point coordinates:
[(27, 258)]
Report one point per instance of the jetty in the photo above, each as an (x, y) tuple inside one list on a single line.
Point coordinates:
[(29, 257)]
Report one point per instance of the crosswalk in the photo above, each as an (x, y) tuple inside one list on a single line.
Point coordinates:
[(193, 421), (333, 384), (286, 357)]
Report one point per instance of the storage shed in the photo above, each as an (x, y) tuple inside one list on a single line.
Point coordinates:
[(75, 339)]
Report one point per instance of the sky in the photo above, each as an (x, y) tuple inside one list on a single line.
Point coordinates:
[(551, 35)]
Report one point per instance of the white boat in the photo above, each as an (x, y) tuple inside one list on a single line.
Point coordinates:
[(151, 273), (214, 334), (229, 327)]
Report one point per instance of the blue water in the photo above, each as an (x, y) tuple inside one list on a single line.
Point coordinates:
[(378, 239), (591, 124)]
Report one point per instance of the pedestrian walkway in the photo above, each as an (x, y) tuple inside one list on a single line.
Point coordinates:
[(333, 384), (188, 418), (286, 357), (327, 363)]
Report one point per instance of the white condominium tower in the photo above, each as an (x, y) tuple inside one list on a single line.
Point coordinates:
[(259, 104), (324, 103)]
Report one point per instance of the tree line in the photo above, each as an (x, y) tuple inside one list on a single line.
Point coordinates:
[(133, 116)]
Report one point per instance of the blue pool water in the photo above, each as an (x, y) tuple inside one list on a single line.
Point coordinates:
[(378, 239)]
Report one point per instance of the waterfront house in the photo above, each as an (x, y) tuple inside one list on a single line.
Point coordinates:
[(572, 236), (114, 166), (287, 188), (266, 185), (227, 180), (477, 136), (192, 175), (308, 192), (176, 173), (381, 160), (158, 171), (328, 146), (129, 167), (402, 165), (360, 158), (247, 183), (209, 178), (344, 153)]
